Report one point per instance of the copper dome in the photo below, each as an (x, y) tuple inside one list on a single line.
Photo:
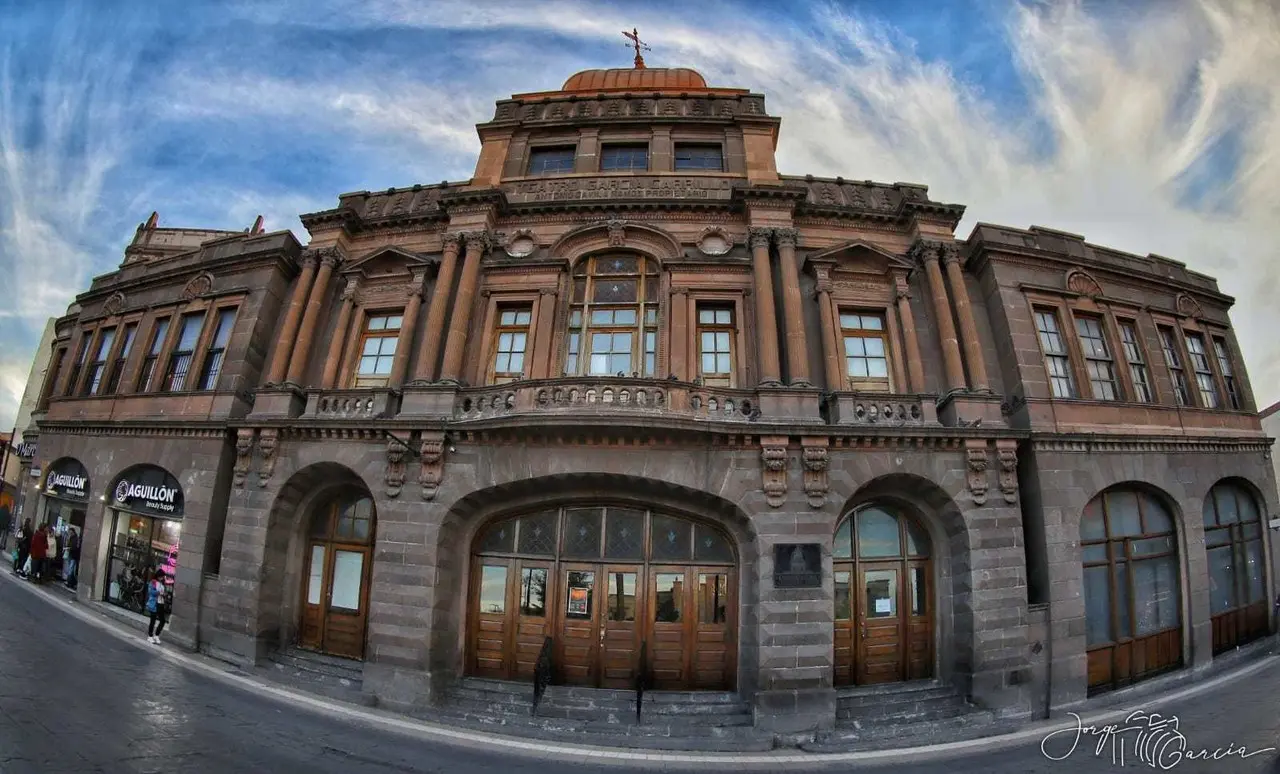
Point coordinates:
[(640, 79)]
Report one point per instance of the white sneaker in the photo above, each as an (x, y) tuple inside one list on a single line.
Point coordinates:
[(153, 640), (157, 639)]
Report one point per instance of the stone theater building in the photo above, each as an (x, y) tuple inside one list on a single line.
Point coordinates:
[(631, 394)]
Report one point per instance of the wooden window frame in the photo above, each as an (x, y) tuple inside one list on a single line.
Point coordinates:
[(76, 376), (612, 144), (201, 318), (1058, 313), (121, 349), (153, 351), (96, 372), (499, 305), (703, 303), (1194, 334), (676, 145), (1131, 365), (551, 146), (1087, 359), (208, 344), (1187, 397), (642, 327), (56, 362), (886, 337), (362, 334), (1226, 363), (1249, 615)]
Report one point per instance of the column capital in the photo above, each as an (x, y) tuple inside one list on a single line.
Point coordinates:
[(950, 253), (926, 250), (786, 237), (759, 237), (903, 294), (680, 291), (329, 256), (452, 239), (481, 240), (824, 287), (309, 258), (548, 291)]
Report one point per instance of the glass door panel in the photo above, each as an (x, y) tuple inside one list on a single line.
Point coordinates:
[(880, 626), (670, 637), (580, 630), (621, 637), (533, 608), (492, 626)]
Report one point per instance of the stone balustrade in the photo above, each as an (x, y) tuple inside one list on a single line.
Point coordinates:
[(351, 404), (608, 396), (881, 409)]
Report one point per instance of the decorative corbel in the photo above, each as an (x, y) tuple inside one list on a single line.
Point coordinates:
[(773, 468), (1007, 453), (816, 462), (617, 232), (431, 454), (395, 467), (976, 452), (244, 454), (267, 441)]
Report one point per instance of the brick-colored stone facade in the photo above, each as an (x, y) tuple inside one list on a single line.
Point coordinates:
[(963, 433)]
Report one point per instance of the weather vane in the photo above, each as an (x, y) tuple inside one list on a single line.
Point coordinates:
[(638, 44)]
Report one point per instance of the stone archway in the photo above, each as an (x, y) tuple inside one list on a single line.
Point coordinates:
[(461, 529)]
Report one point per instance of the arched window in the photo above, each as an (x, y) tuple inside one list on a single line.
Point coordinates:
[(1237, 579), (1131, 588), (883, 610), (613, 318)]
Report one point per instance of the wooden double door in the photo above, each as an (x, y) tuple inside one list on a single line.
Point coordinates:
[(883, 622), (599, 615), (335, 599)]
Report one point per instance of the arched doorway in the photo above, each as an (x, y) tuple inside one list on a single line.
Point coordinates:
[(1133, 600), (883, 578), (1237, 575), (335, 581), (606, 584)]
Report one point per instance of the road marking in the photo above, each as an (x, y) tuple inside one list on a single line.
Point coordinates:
[(480, 741)]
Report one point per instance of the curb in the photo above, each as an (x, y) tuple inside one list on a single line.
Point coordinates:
[(491, 743)]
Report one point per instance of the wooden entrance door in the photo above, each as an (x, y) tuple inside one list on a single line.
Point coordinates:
[(880, 624), (622, 611), (335, 588), (580, 633)]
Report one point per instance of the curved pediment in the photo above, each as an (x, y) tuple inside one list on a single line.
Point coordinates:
[(861, 254), (615, 233), (388, 260)]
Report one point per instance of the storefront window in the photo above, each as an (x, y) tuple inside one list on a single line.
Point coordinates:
[(145, 534)]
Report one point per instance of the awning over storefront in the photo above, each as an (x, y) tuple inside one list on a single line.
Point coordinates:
[(148, 490)]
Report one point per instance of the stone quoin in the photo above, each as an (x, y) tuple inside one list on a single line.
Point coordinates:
[(631, 403)]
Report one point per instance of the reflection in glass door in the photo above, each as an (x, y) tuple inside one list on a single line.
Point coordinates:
[(880, 635), (620, 639), (580, 631)]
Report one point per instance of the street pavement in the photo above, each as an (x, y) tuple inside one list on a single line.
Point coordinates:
[(74, 697)]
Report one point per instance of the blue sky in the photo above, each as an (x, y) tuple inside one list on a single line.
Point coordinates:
[(1150, 127)]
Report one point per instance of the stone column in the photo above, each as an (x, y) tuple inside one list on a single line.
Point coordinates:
[(451, 368), (792, 315), (315, 304), (680, 333), (543, 353), (433, 335), (334, 359), (289, 331), (766, 324), (830, 337), (942, 311), (400, 364), (964, 312), (915, 366)]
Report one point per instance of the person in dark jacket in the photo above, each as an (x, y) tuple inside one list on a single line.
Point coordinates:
[(39, 553), (73, 557), (24, 547)]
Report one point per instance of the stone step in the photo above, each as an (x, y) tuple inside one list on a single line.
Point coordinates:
[(926, 735), (932, 692), (690, 714), (904, 704), (902, 713), (847, 732), (316, 683), (319, 663)]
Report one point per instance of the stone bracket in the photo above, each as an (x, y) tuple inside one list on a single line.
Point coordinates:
[(395, 467), (976, 454), (267, 441), (431, 455), (1007, 454), (816, 461), (773, 468), (244, 454)]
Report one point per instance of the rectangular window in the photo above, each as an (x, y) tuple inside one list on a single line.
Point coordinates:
[(551, 161), (622, 158), (1097, 358), (77, 365), (1228, 373), (512, 336), (52, 378), (1204, 370), (1177, 375), (715, 345), (217, 350), (180, 361), (704, 157), (117, 368), (98, 367), (158, 333), (378, 349), (1056, 360), (866, 351), (1137, 363)]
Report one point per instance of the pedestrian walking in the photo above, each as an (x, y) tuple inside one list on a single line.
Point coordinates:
[(24, 548), (39, 552), (72, 563), (52, 553), (157, 606)]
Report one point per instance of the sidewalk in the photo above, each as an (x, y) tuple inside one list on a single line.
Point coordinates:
[(130, 628)]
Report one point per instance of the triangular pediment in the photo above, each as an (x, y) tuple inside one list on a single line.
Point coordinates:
[(387, 260), (861, 254)]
